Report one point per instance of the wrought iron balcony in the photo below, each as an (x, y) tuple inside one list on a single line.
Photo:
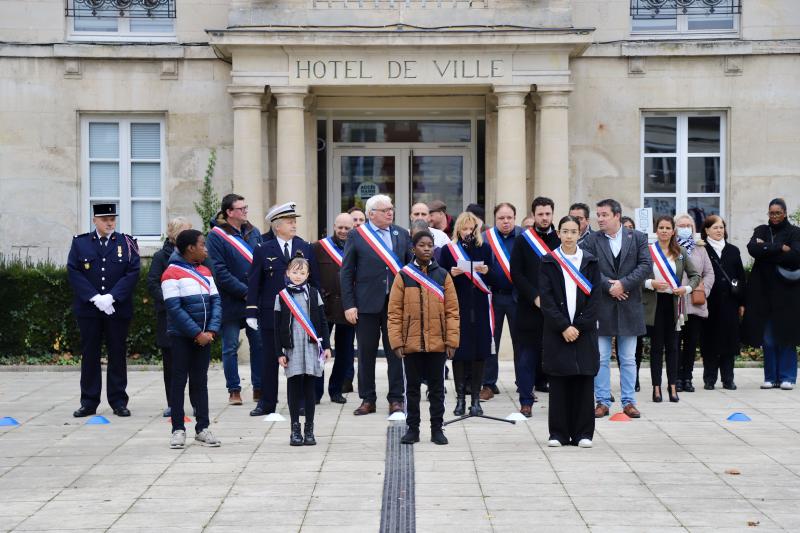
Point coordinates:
[(400, 4), (121, 8), (641, 9)]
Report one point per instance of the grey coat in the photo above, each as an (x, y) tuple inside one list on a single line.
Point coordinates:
[(621, 317)]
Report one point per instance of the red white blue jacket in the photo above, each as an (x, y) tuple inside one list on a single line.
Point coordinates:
[(190, 298)]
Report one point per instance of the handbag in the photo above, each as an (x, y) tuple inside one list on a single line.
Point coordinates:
[(699, 295), (736, 289)]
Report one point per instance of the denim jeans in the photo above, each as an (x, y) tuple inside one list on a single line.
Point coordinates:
[(230, 360), (780, 362), (504, 307), (626, 353), (525, 371)]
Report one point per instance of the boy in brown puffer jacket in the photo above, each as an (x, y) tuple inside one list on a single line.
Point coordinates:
[(423, 330)]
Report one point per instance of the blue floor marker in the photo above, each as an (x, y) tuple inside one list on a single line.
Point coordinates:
[(739, 417), (97, 419), (8, 421)]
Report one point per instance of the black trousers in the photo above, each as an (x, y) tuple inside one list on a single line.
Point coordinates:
[(114, 332), (301, 392), (664, 341), (269, 372), (468, 370), (370, 328), (343, 337), (689, 338), (714, 363), (430, 367), (189, 360), (570, 416)]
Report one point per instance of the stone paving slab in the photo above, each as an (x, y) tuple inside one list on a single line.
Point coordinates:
[(667, 472)]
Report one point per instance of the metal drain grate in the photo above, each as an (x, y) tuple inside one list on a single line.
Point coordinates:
[(397, 512)]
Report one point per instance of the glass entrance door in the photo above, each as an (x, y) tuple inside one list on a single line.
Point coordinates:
[(365, 172), (440, 174)]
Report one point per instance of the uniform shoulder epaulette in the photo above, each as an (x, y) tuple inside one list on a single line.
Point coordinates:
[(79, 235)]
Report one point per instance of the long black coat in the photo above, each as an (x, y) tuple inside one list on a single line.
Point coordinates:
[(769, 296), (559, 357), (158, 265), (720, 334), (473, 306)]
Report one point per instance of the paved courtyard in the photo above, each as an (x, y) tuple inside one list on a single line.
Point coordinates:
[(682, 467)]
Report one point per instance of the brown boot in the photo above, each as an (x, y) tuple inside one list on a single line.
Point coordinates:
[(600, 411), (631, 411), (486, 394), (235, 398)]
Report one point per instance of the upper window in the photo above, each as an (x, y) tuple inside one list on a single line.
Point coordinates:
[(685, 16), (137, 20), (123, 163), (683, 164)]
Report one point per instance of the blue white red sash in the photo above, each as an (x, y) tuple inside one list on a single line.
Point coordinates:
[(238, 243), (302, 319), (194, 274), (663, 266), (458, 253), (333, 251), (536, 242), (424, 280), (379, 247), (499, 250), (573, 272)]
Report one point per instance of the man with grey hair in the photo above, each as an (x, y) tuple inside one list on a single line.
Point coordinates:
[(373, 254)]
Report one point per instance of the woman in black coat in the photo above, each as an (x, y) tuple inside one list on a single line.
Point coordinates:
[(719, 344), (570, 353), (773, 296), (476, 341)]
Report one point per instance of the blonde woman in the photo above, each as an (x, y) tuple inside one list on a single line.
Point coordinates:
[(473, 303)]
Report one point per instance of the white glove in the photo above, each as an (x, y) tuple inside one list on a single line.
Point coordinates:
[(109, 310), (252, 323), (96, 301), (104, 302)]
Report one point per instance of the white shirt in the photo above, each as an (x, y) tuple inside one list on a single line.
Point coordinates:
[(569, 284), (281, 242), (440, 238), (615, 241), (648, 284)]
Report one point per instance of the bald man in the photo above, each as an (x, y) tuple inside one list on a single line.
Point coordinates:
[(329, 252), (419, 211)]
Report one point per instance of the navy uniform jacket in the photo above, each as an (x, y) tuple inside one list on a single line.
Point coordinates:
[(266, 278), (97, 269)]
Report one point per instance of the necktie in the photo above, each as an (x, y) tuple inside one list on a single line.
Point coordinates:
[(103, 240), (286, 251)]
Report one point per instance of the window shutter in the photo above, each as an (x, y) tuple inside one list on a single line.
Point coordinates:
[(145, 141), (145, 218), (103, 175)]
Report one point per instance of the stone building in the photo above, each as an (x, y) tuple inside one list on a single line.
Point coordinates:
[(688, 106)]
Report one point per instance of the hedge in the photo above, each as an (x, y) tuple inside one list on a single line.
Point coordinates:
[(37, 324)]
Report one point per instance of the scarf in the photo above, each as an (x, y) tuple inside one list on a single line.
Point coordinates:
[(297, 289), (716, 245), (689, 244)]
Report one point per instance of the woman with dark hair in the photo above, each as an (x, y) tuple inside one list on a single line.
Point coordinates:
[(627, 222), (773, 296), (719, 342), (663, 304)]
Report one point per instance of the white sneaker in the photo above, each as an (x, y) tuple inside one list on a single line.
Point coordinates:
[(178, 439), (554, 443), (584, 443), (767, 385), (786, 385), (207, 438)]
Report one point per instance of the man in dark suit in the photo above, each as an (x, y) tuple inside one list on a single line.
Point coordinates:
[(625, 263), (372, 255), (103, 268), (264, 281), (529, 323)]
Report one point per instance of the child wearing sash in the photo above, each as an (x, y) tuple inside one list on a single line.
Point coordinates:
[(301, 337), (423, 323), (569, 281)]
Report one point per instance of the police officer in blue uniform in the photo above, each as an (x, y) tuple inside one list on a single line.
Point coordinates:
[(103, 269)]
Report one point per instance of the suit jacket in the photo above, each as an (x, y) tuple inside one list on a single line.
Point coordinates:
[(621, 317), (330, 286), (525, 266), (364, 275), (267, 278)]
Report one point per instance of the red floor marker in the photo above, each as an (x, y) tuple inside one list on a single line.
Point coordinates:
[(620, 417)]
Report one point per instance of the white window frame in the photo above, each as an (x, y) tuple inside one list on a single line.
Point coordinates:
[(682, 156), (682, 30), (124, 222), (123, 33)]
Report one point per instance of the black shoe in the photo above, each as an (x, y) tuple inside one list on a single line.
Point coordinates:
[(687, 386), (461, 406), (437, 437), (296, 438), (82, 411), (411, 436), (494, 389), (673, 395), (729, 386), (308, 438), (708, 386), (338, 398), (638, 387), (656, 394), (121, 411), (679, 386), (612, 399), (347, 386), (475, 408), (262, 410)]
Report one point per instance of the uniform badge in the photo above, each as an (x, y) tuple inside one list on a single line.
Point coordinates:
[(271, 258), (86, 266), (119, 251)]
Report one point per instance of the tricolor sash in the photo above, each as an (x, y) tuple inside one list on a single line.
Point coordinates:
[(536, 242), (379, 247), (663, 266), (303, 320), (238, 243), (333, 251), (194, 274), (424, 280), (458, 252), (573, 272), (499, 250)]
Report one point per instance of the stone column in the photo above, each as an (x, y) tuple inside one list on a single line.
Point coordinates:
[(552, 176), (511, 156), (291, 152), (247, 177)]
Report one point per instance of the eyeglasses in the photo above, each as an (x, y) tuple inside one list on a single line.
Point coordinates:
[(243, 208), (385, 210), (775, 214)]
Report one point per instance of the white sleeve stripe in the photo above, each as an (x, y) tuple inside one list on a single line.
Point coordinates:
[(170, 288)]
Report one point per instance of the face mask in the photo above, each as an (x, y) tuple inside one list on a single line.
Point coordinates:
[(684, 233)]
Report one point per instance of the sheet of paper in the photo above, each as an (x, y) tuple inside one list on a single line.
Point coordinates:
[(464, 265)]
